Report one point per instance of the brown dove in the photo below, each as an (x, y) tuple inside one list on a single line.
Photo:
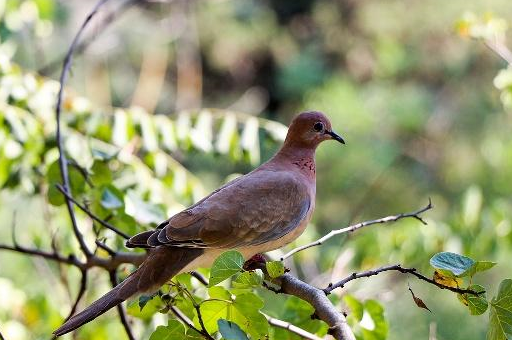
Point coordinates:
[(255, 213)]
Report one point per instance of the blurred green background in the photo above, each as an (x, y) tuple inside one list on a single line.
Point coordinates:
[(414, 100)]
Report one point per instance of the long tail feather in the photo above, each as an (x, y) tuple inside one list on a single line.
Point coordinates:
[(120, 293), (160, 266)]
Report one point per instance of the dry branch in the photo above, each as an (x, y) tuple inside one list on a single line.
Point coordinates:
[(354, 227), (399, 268)]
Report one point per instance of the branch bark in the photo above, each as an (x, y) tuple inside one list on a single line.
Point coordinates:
[(325, 310)]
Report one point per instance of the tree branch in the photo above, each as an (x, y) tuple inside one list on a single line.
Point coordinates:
[(291, 328), (80, 294), (71, 260), (91, 214), (82, 46), (325, 310), (354, 227), (180, 315), (114, 261), (63, 162), (399, 268)]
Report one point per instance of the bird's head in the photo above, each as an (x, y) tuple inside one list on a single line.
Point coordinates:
[(309, 129)]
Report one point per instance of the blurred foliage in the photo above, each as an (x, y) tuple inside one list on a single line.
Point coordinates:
[(413, 98)]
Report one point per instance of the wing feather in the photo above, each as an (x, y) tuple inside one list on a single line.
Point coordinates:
[(251, 210)]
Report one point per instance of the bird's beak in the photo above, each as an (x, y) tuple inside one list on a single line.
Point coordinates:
[(335, 136)]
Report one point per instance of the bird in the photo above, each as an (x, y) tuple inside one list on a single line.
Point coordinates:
[(261, 211)]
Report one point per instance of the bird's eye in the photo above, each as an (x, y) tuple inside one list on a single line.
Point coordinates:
[(319, 126)]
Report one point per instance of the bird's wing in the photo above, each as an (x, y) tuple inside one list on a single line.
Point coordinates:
[(253, 209)]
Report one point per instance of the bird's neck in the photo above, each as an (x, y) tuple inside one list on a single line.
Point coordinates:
[(300, 158)]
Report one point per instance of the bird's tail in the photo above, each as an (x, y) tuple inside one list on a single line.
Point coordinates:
[(160, 266), (120, 293)]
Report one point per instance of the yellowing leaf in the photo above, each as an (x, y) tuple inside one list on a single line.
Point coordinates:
[(446, 280)]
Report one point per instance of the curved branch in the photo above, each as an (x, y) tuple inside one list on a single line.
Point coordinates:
[(324, 309), (399, 268), (63, 162), (80, 294), (354, 227), (91, 214), (81, 47)]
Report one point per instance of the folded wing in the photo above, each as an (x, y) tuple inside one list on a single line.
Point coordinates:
[(251, 210)]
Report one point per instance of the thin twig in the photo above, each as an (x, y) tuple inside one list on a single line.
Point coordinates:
[(120, 308), (203, 280), (1, 336), (354, 227), (180, 315), (291, 328), (91, 214), (106, 248), (82, 46), (63, 162), (399, 268), (197, 307), (49, 256), (80, 294), (114, 261)]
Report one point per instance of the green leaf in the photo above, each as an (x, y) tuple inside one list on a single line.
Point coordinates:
[(226, 265), (249, 279), (111, 198), (143, 300), (247, 315), (500, 316), (451, 263), (150, 307), (379, 329), (220, 293), (275, 268), (101, 174), (477, 304), (230, 330), (46, 9), (355, 307), (244, 311), (478, 266), (173, 331), (76, 180), (211, 311)]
